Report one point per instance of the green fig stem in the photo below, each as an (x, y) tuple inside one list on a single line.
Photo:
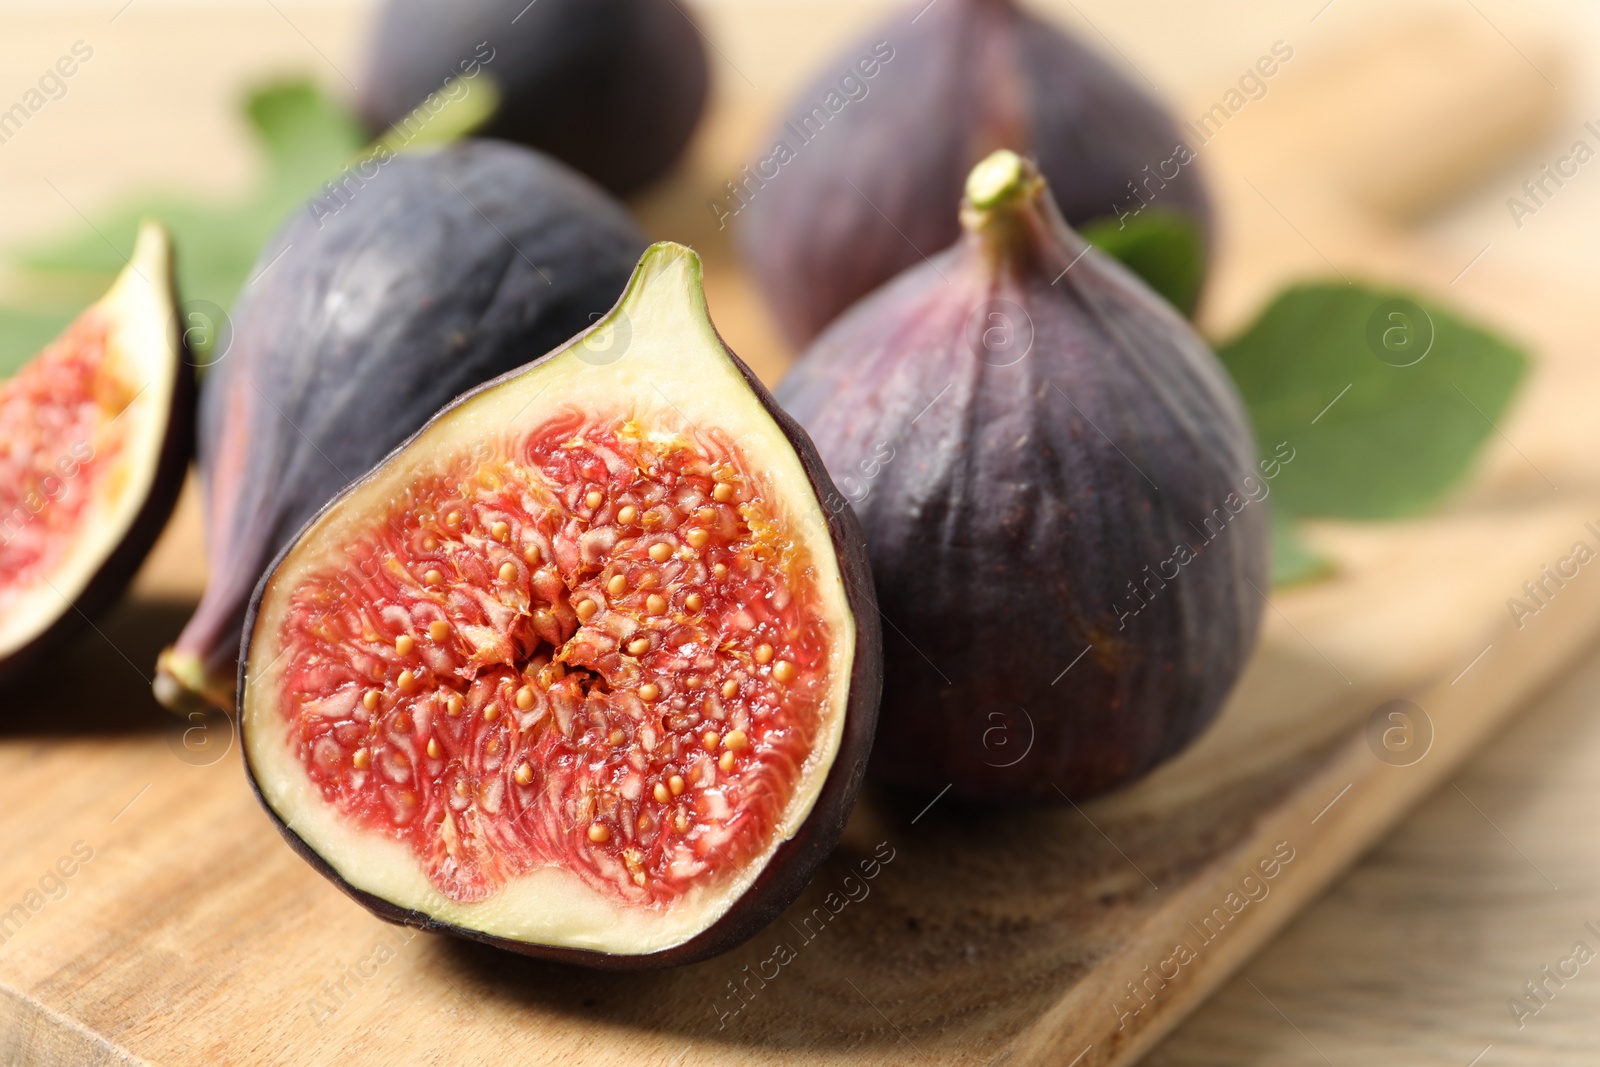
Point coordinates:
[(183, 685), (998, 177), (1008, 212), (1002, 184)]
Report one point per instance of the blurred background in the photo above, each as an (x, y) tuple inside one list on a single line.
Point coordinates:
[(1388, 149), (158, 106)]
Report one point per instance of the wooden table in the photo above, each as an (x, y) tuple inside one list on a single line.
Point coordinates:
[(1410, 958)]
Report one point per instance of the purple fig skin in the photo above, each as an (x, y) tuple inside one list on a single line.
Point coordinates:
[(870, 195), (792, 866), (612, 88), (451, 267), (1054, 431)]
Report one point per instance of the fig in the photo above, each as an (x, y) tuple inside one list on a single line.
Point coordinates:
[(1057, 482), (613, 88), (862, 172), (586, 669), (95, 437), (449, 268)]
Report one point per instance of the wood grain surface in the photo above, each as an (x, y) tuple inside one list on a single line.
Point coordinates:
[(187, 932)]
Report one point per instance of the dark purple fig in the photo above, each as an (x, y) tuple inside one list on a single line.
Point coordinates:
[(1058, 486), (613, 88), (584, 670), (95, 437), (874, 153), (448, 268)]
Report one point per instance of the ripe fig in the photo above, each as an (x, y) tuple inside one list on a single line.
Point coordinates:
[(448, 268), (1057, 482), (907, 112), (586, 669), (95, 436), (613, 88)]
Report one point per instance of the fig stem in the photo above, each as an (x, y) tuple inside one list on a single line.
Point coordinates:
[(998, 177), (183, 684), (1008, 210)]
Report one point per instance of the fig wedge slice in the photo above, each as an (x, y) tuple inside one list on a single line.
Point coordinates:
[(588, 668), (95, 436)]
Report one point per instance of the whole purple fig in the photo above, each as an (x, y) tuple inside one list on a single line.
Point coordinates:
[(863, 170), (612, 88), (447, 270), (1061, 501)]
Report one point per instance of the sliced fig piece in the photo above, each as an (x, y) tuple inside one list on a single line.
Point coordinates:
[(1058, 485), (95, 436), (877, 149), (613, 88), (586, 669), (445, 270)]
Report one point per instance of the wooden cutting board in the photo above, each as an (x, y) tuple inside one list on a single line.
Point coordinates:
[(187, 932)]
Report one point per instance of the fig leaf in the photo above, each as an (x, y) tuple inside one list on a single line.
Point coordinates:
[(1385, 400), (305, 137), (1163, 247), (305, 134), (23, 332), (1294, 561)]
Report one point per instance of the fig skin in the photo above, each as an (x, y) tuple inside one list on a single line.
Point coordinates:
[(796, 860), (447, 269), (871, 195), (613, 88), (1035, 485), (153, 256)]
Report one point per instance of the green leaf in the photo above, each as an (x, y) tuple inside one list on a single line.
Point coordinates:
[(1294, 561), (24, 332), (1163, 247), (306, 138), (306, 135), (1384, 401)]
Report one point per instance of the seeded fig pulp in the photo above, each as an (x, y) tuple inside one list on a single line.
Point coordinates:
[(1057, 483), (613, 88), (95, 436), (860, 177), (445, 270), (584, 670)]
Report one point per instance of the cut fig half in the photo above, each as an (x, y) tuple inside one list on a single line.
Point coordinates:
[(588, 668), (95, 437)]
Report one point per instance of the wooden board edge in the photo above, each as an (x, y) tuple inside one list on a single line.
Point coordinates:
[(32, 1034), (1339, 813)]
